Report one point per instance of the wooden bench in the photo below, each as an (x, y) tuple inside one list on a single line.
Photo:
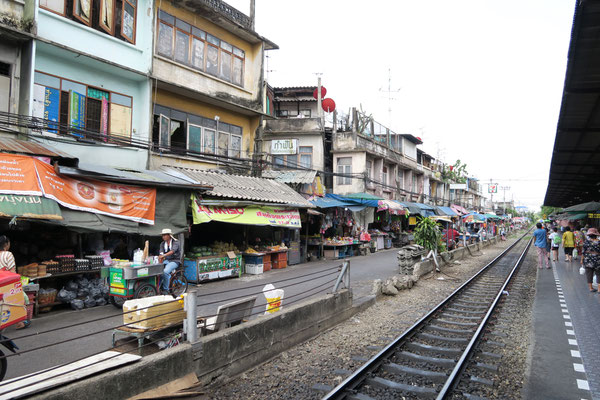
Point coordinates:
[(228, 315)]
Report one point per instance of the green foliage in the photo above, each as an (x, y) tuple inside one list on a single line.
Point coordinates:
[(549, 210), (427, 234), (458, 173)]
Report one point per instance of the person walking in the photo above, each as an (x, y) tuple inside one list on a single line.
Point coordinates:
[(568, 240), (539, 236), (555, 240), (579, 239), (591, 257), (548, 241)]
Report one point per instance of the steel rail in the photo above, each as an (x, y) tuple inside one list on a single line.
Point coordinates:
[(350, 383), (466, 355)]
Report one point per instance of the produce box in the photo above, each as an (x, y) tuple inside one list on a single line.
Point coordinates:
[(254, 269), (142, 316), (12, 302), (253, 259), (142, 271), (331, 254), (190, 269)]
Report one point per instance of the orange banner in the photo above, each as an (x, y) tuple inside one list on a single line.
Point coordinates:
[(28, 175), (17, 175), (127, 202)]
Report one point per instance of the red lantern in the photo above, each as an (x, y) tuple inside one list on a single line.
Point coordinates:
[(451, 167), (328, 105), (323, 92)]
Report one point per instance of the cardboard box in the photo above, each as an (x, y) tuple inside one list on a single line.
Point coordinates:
[(141, 317), (12, 304)]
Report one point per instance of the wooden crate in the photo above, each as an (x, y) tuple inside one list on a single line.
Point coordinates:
[(141, 317)]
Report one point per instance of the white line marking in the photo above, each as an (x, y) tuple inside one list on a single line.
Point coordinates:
[(578, 367), (560, 296), (583, 385), (562, 300), (563, 306), (575, 353), (569, 324), (573, 342), (570, 332), (565, 316), (565, 311)]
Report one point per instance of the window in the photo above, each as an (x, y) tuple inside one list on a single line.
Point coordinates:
[(177, 134), (94, 113), (369, 169), (344, 166), (116, 18), (305, 113), (128, 16), (4, 86), (400, 179), (191, 46), (414, 184), (282, 113), (57, 6), (306, 153), (235, 148), (384, 176), (82, 10), (279, 161), (208, 141), (107, 16), (223, 143)]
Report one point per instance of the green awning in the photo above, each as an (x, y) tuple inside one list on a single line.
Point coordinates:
[(576, 217), (362, 196), (36, 207)]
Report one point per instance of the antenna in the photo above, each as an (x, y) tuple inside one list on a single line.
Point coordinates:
[(389, 93), (267, 70)]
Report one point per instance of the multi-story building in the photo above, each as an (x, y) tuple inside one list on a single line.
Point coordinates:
[(207, 97), (17, 29), (297, 142), (468, 194), (91, 64)]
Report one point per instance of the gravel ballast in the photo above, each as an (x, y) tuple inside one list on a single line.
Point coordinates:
[(327, 359)]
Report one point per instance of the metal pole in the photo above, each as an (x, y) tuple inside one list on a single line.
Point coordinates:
[(340, 276), (190, 324)]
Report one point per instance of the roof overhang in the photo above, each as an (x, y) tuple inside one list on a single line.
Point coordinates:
[(575, 168), (205, 98)]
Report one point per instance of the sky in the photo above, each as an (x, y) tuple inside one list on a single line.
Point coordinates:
[(477, 80)]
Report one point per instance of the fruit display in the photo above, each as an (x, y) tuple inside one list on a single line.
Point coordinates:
[(215, 250)]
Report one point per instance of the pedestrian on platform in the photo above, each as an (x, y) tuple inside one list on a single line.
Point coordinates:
[(539, 236), (555, 240), (579, 239), (591, 257), (568, 240), (548, 241)]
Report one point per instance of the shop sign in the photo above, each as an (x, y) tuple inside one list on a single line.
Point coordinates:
[(24, 175), (284, 146), (593, 216), (29, 207), (77, 111), (458, 186), (249, 215), (412, 220)]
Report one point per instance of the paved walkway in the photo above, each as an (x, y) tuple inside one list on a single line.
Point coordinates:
[(566, 349), (364, 269)]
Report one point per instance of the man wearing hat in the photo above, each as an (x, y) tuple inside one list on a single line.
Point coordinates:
[(170, 256)]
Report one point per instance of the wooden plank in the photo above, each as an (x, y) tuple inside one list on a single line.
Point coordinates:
[(36, 382)]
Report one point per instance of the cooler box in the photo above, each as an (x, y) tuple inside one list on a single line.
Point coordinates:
[(160, 305), (12, 303), (190, 270)]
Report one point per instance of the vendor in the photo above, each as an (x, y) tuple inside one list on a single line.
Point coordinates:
[(170, 256), (7, 263)]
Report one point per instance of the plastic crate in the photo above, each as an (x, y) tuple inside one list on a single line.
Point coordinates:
[(253, 259), (282, 256), (267, 266), (254, 269)]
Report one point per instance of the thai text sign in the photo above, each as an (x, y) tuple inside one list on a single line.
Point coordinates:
[(27, 175), (284, 146), (594, 215), (248, 215)]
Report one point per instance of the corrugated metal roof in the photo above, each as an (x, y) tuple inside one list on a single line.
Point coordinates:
[(242, 187), (290, 176), (143, 177), (17, 146)]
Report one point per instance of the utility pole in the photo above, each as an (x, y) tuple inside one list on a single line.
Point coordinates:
[(389, 93), (504, 189)]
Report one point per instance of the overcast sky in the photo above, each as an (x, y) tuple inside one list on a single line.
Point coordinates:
[(478, 80)]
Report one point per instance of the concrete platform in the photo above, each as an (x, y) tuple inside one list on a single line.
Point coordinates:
[(565, 358)]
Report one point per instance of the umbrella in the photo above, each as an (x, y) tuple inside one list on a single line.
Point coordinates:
[(362, 196), (591, 206), (474, 218)]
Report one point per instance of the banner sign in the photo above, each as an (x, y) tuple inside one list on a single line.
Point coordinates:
[(28, 175), (493, 188), (247, 215), (17, 175), (28, 207), (284, 146), (77, 111)]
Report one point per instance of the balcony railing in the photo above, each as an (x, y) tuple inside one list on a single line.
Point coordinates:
[(229, 11)]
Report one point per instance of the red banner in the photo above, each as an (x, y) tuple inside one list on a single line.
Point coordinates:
[(121, 201)]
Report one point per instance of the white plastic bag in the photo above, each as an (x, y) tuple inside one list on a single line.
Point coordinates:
[(575, 253), (274, 298), (582, 271)]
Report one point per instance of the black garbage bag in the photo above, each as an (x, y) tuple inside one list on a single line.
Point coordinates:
[(72, 286), (77, 304), (96, 292), (101, 301), (89, 302), (83, 292), (83, 282), (66, 296)]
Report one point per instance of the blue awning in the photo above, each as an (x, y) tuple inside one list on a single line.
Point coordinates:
[(334, 200), (419, 208), (446, 211)]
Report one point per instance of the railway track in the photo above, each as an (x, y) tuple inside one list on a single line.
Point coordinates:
[(428, 359)]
